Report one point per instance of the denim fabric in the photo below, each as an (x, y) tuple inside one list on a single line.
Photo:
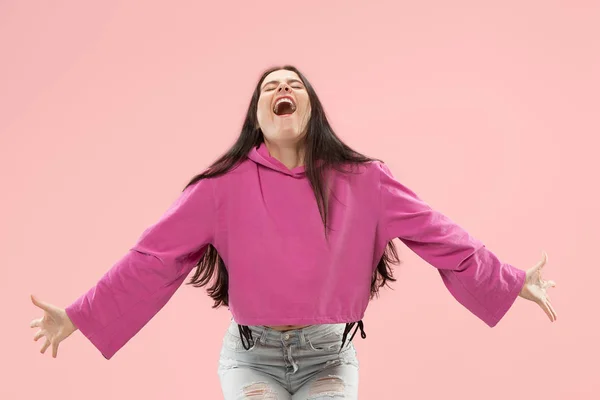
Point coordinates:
[(300, 364)]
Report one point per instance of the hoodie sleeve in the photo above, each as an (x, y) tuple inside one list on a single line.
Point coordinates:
[(138, 285), (475, 277)]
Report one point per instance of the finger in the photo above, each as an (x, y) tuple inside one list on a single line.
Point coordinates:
[(551, 309), (55, 348), (541, 263), (36, 323), (38, 335), (539, 277), (547, 310), (45, 346), (548, 284), (535, 271), (43, 305)]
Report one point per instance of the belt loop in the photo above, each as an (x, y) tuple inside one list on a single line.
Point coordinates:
[(303, 337), (263, 335)]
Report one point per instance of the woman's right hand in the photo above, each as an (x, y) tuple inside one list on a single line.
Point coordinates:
[(55, 325)]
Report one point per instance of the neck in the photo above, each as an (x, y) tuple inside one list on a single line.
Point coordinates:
[(291, 156)]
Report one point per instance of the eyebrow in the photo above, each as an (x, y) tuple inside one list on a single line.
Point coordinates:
[(288, 81)]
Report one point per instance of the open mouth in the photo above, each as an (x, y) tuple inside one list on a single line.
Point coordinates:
[(284, 106)]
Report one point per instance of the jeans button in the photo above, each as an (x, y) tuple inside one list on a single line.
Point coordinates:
[(286, 336)]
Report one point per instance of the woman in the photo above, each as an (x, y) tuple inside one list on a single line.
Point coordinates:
[(293, 229)]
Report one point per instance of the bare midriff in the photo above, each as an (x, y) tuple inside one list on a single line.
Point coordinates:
[(283, 328)]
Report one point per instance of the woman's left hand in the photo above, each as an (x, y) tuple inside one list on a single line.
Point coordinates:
[(535, 288)]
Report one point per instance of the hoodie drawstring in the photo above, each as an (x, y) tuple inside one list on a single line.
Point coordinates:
[(359, 325), (246, 333)]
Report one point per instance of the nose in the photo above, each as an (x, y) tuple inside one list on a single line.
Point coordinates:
[(284, 87)]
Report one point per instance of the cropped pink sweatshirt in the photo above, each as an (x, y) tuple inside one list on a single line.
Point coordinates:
[(264, 221)]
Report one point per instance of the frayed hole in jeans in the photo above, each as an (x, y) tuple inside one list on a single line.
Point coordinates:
[(331, 386), (258, 391)]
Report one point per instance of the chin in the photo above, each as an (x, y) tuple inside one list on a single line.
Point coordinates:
[(284, 137)]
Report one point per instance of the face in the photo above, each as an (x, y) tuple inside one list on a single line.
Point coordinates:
[(283, 107)]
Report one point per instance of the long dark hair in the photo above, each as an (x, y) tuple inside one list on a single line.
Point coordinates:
[(321, 143)]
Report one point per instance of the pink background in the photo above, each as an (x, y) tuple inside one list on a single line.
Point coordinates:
[(488, 110)]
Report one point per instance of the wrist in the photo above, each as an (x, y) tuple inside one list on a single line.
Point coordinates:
[(523, 286)]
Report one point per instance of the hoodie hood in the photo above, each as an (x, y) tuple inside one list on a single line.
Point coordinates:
[(260, 155)]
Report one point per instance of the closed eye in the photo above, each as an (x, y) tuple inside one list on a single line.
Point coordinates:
[(272, 88)]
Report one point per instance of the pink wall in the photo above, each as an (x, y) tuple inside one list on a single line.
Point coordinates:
[(489, 112)]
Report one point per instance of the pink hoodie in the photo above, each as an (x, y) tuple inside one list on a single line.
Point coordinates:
[(263, 220)]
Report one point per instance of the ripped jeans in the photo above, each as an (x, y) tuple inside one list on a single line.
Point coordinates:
[(300, 364)]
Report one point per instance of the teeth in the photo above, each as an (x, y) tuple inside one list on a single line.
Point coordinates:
[(287, 100), (284, 99)]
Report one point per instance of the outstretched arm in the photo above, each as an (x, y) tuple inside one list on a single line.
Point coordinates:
[(476, 278), (144, 279)]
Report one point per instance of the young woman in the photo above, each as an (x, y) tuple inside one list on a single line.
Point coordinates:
[(292, 230)]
